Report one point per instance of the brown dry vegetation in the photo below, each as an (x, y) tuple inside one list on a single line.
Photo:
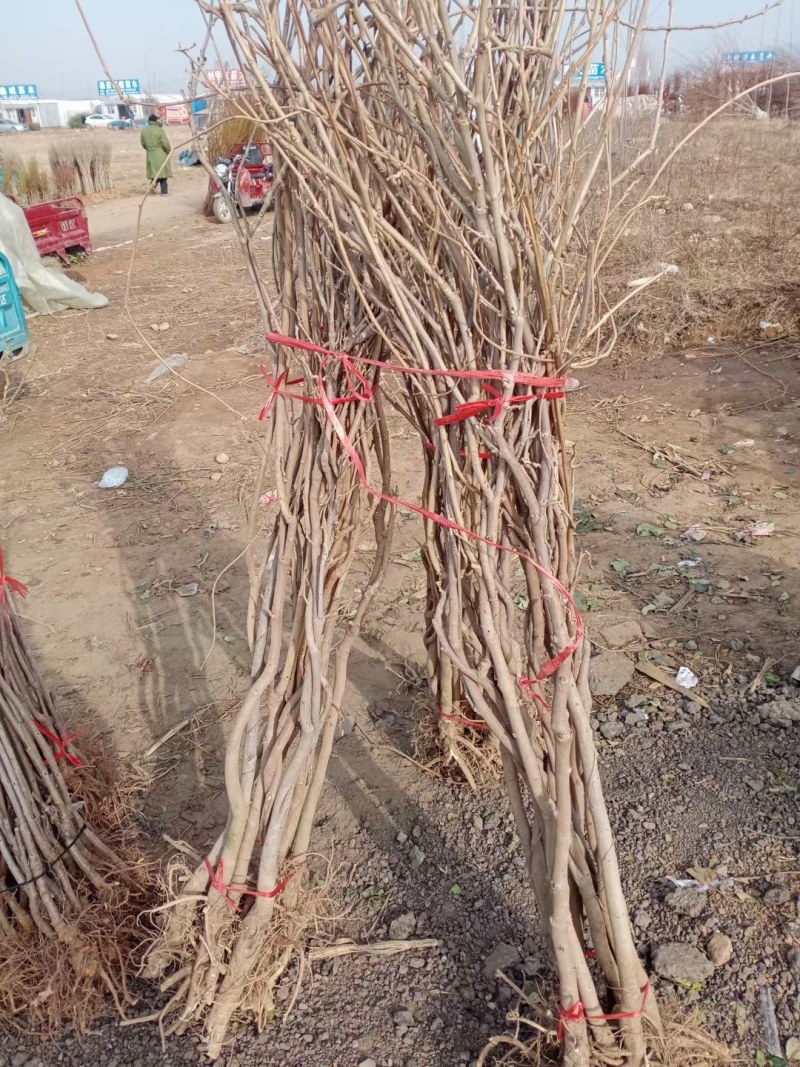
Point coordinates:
[(708, 87), (726, 214)]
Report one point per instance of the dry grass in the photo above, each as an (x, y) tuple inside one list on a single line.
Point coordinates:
[(231, 128), (25, 179), (736, 249)]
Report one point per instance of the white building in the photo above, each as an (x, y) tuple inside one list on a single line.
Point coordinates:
[(51, 113)]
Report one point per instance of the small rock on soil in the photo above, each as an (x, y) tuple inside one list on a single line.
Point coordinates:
[(687, 902), (682, 963), (608, 673), (720, 949), (401, 928), (621, 634), (500, 958)]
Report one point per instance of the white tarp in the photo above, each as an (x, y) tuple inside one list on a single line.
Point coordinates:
[(44, 290)]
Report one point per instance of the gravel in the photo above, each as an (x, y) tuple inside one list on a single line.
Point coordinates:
[(674, 805)]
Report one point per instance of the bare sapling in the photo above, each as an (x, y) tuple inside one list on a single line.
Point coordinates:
[(230, 932)]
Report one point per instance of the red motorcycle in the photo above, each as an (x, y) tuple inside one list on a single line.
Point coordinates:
[(244, 181)]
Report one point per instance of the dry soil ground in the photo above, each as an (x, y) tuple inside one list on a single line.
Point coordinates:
[(705, 440)]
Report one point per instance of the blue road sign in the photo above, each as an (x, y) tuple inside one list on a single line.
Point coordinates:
[(749, 57), (11, 93), (597, 72), (127, 85)]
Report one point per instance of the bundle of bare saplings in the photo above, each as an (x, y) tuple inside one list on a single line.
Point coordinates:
[(68, 899), (81, 165), (442, 215)]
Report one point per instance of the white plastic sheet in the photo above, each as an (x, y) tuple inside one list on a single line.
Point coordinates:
[(43, 290)]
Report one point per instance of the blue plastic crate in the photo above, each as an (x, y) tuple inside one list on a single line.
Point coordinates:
[(13, 326)]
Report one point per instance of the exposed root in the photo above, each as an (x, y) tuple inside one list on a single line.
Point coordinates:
[(209, 937), (685, 1042), (47, 983), (457, 750), (682, 1042)]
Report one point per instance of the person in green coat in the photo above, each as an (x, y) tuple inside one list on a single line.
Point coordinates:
[(156, 143)]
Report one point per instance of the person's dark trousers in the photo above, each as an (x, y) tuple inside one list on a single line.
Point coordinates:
[(162, 185)]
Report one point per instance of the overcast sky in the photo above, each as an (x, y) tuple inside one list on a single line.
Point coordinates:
[(50, 48)]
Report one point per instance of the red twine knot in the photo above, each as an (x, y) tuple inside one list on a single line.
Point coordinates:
[(497, 402), (218, 883), (12, 583), (577, 1014), (62, 743)]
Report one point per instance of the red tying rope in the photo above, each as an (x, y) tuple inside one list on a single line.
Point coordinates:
[(328, 403), (495, 405), (62, 743), (526, 685), (283, 380), (518, 377), (12, 583), (217, 881), (577, 1014), (476, 724)]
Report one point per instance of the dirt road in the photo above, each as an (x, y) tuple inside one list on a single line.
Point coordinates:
[(113, 222)]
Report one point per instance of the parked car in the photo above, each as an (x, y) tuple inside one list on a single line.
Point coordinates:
[(96, 121), (126, 124), (7, 126)]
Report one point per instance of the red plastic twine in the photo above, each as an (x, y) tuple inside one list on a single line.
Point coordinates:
[(576, 1013), (61, 742), (12, 583), (556, 388), (476, 724), (217, 881)]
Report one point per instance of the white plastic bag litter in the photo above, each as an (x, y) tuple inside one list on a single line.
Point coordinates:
[(687, 678), (113, 478), (44, 291)]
